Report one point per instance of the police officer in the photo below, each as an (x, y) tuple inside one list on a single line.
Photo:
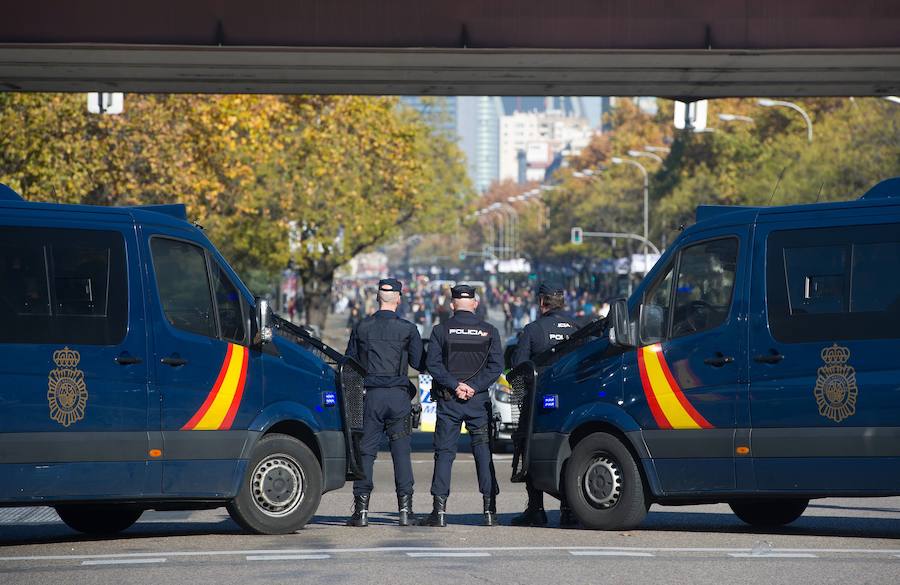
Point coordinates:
[(551, 328), (464, 359), (386, 345)]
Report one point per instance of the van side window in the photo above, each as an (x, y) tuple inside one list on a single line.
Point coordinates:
[(705, 285), (228, 303), (834, 283), (183, 285), (62, 286)]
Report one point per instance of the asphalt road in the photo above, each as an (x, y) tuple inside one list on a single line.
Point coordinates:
[(837, 541)]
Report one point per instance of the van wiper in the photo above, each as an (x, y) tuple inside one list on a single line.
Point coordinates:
[(304, 335), (592, 329)]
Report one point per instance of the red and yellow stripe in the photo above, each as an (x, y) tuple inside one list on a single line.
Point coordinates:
[(221, 405), (670, 407)]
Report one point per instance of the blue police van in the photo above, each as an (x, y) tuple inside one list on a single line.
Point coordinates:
[(757, 364), (137, 372)]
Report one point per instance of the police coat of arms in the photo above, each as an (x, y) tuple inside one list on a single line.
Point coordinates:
[(66, 391), (836, 391)]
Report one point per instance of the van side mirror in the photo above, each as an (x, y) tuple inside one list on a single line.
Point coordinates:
[(263, 321), (621, 332), (652, 324)]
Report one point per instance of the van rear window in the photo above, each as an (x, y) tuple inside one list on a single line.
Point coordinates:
[(62, 286), (834, 283)]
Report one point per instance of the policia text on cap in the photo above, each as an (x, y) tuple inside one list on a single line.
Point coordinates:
[(386, 346), (464, 359)]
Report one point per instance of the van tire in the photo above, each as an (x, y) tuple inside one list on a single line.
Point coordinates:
[(282, 487), (768, 512), (603, 484), (90, 519)]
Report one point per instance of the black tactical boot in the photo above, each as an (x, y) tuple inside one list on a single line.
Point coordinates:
[(531, 517), (438, 514), (360, 515), (567, 517), (405, 507), (490, 511)]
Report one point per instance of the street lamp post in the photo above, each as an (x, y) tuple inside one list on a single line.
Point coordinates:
[(767, 103), (618, 161), (645, 154)]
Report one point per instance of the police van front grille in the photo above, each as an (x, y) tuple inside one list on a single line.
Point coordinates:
[(521, 380)]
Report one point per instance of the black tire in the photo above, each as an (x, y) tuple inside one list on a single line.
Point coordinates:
[(603, 484), (282, 488), (769, 512), (93, 519)]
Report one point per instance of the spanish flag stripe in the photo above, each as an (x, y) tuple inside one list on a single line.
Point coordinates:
[(236, 401), (658, 415), (679, 394), (678, 418), (212, 393), (218, 410)]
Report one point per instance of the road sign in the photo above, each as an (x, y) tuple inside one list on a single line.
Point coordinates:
[(577, 235), (691, 115), (106, 103)]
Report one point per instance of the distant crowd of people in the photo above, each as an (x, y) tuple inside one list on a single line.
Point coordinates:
[(426, 304)]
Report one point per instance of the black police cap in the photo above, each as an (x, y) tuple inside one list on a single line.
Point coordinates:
[(462, 291), (390, 285), (550, 288)]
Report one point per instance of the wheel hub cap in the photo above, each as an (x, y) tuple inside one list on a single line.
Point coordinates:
[(277, 485), (603, 483)]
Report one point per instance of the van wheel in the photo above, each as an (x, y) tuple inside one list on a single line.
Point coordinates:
[(603, 484), (98, 519), (282, 488), (768, 512)]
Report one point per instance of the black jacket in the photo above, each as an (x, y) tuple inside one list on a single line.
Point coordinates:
[(386, 346), (543, 334), (465, 348)]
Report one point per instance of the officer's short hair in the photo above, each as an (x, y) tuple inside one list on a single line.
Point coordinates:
[(554, 302), (388, 296)]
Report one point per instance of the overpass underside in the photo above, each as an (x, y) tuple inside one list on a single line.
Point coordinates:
[(690, 48)]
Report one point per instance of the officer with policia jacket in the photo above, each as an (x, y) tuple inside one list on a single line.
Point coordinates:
[(386, 346), (464, 359), (553, 327)]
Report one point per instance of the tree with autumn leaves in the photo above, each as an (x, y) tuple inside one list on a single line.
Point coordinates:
[(765, 161), (310, 180)]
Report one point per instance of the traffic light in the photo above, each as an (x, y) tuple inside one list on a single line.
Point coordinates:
[(462, 256), (577, 235)]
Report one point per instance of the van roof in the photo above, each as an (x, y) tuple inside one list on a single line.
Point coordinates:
[(174, 215), (884, 194)]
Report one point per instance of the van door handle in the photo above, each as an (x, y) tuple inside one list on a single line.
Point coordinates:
[(173, 361), (768, 358), (126, 359), (718, 361)]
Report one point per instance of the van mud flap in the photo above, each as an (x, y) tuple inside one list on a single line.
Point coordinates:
[(352, 395), (522, 381)]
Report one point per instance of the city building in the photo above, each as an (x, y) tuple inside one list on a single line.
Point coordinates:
[(529, 142)]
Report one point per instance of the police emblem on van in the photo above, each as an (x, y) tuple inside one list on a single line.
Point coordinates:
[(836, 391), (67, 393)]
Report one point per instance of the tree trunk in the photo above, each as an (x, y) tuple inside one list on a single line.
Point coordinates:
[(317, 299)]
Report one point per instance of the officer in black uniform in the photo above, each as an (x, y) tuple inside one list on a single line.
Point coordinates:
[(464, 359), (551, 328), (386, 346)]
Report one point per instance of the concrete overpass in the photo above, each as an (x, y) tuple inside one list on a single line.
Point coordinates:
[(699, 48)]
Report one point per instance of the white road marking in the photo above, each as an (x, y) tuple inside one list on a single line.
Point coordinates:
[(122, 561), (609, 553), (773, 555), (447, 554), (375, 550), (287, 557)]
